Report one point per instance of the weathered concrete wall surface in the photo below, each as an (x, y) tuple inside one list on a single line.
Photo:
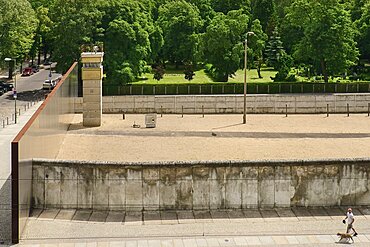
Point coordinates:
[(258, 104), (200, 185)]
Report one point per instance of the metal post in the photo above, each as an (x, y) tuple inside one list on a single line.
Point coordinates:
[(347, 110), (245, 81), (123, 116), (19, 110), (7, 120), (161, 112), (286, 110), (203, 110), (327, 110), (3, 123), (182, 111), (368, 109)]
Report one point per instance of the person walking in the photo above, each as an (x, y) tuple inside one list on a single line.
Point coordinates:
[(350, 220)]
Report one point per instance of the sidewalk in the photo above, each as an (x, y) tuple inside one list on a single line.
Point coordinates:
[(7, 134), (268, 227)]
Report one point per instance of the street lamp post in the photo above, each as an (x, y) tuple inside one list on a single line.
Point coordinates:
[(15, 87), (245, 77)]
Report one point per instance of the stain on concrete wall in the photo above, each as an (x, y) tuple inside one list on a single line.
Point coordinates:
[(200, 185)]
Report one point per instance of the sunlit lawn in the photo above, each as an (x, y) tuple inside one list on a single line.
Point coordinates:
[(177, 77)]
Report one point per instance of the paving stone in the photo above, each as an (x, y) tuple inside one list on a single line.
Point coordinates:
[(253, 215), (201, 242), (115, 216), (189, 243), (319, 213), (117, 244), (292, 240), (335, 213), (177, 243), (152, 218), (166, 243), (81, 244), (237, 216), (131, 244), (82, 215), (185, 217), (286, 214), (35, 213), (103, 244), (202, 216), (313, 239), (240, 241), (91, 244), (365, 211), (48, 214), (302, 214), (253, 240), (325, 239), (212, 242), (133, 218), (303, 239), (280, 239), (269, 215), (154, 243), (66, 214), (142, 243), (266, 240), (226, 241), (168, 218), (98, 216), (362, 238), (219, 215)]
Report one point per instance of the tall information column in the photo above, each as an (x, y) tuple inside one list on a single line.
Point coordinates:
[(92, 75)]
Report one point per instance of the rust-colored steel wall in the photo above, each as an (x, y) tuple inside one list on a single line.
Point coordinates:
[(41, 137)]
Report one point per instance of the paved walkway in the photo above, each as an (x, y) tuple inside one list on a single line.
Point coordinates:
[(269, 227)]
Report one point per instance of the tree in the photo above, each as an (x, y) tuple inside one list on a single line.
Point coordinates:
[(130, 39), (363, 25), (257, 44), (274, 49), (189, 72), (75, 23), (180, 22), (18, 23), (264, 11), (328, 35), (222, 43), (127, 46), (224, 6), (158, 71)]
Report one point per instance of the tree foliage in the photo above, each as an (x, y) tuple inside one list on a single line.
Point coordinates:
[(74, 25), (222, 43), (180, 22), (18, 24), (328, 35), (257, 45)]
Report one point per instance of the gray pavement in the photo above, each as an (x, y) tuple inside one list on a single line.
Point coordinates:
[(272, 227)]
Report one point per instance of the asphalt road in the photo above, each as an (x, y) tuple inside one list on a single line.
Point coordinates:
[(28, 89)]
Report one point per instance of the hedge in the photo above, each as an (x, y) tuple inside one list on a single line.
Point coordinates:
[(235, 88)]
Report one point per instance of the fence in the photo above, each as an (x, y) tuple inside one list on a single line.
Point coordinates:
[(222, 88)]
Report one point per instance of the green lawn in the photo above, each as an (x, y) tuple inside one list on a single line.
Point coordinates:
[(177, 77)]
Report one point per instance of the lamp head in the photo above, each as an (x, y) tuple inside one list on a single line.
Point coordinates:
[(7, 59), (250, 33)]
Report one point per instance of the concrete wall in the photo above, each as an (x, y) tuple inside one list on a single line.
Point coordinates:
[(261, 103), (200, 185)]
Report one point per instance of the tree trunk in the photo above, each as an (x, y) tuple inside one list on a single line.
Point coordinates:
[(259, 64), (39, 57), (324, 71), (10, 76)]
